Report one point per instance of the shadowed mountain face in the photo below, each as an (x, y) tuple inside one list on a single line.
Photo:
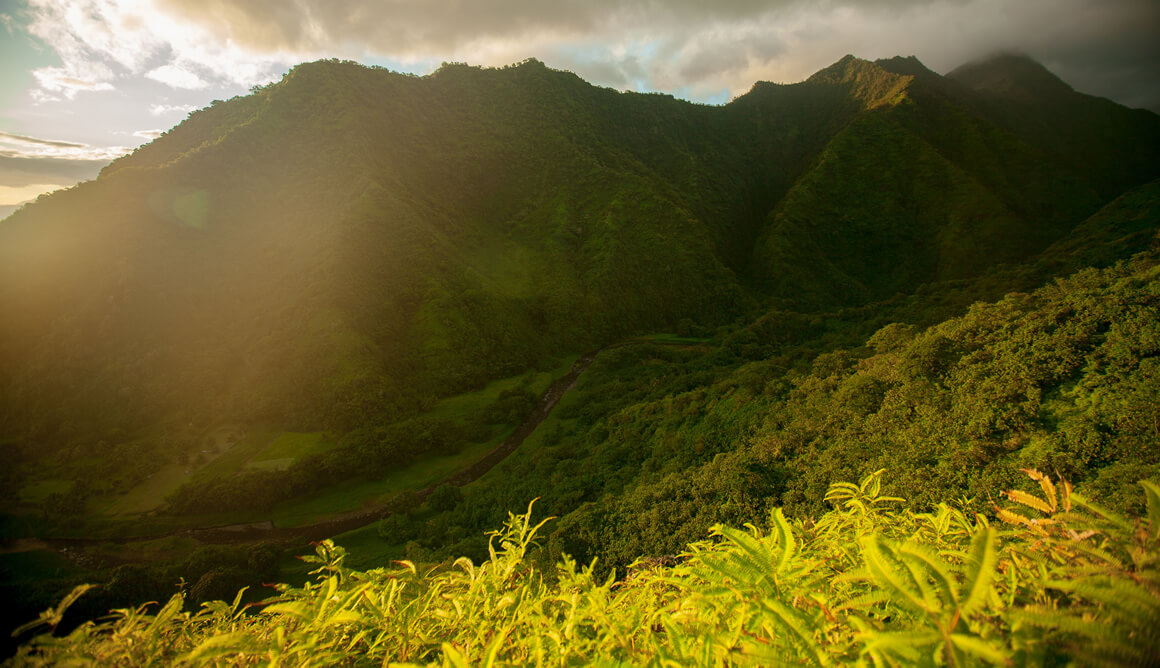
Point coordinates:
[(348, 243)]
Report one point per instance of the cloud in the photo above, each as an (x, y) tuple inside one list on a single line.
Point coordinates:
[(101, 41), (1105, 46), (21, 146), (16, 195), (176, 77), (67, 81), (166, 109), (148, 135), (32, 166), (36, 141)]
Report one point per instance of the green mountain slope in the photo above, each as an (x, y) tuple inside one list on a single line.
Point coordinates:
[(1022, 96), (342, 248), (659, 444), (915, 189)]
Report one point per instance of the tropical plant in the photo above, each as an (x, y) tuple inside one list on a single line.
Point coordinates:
[(1059, 580)]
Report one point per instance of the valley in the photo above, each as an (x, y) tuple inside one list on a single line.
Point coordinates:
[(392, 311)]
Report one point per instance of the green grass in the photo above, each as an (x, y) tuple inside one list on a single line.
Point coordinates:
[(38, 491), (283, 451), (280, 464), (353, 495), (227, 456), (151, 493), (471, 404), (230, 461), (535, 441)]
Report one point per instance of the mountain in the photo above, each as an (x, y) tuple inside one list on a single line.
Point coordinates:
[(1022, 96), (340, 295), (346, 246)]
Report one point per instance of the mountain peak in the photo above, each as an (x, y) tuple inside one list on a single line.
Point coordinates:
[(845, 69), (868, 82), (1013, 75), (907, 66)]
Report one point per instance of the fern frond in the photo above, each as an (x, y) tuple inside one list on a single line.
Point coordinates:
[(785, 538), (948, 590), (797, 630), (1152, 493), (979, 570), (981, 649), (1023, 498), (1046, 485), (886, 575)]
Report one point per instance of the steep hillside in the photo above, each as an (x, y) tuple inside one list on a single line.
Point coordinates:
[(1022, 96), (917, 188)]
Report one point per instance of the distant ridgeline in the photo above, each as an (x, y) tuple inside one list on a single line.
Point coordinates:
[(348, 245)]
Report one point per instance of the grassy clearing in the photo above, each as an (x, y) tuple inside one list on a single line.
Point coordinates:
[(355, 494), (366, 548), (151, 493), (535, 441), (471, 404), (290, 446), (227, 449), (229, 462), (38, 491)]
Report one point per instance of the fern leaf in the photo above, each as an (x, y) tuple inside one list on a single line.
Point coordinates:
[(294, 609), (785, 538), (1046, 485), (905, 644), (53, 616), (1101, 512), (797, 629), (452, 656), (886, 575), (938, 569), (1029, 500), (863, 602), (979, 570), (174, 606), (1119, 597), (1152, 492), (217, 647), (979, 648)]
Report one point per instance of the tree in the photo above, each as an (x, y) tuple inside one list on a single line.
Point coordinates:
[(445, 497)]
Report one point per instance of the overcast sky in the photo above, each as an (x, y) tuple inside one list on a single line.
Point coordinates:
[(82, 81)]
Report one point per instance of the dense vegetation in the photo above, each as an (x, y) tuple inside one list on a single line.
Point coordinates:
[(1060, 580), (318, 299), (658, 444)]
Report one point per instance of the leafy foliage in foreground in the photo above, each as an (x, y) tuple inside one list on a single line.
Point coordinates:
[(871, 582)]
